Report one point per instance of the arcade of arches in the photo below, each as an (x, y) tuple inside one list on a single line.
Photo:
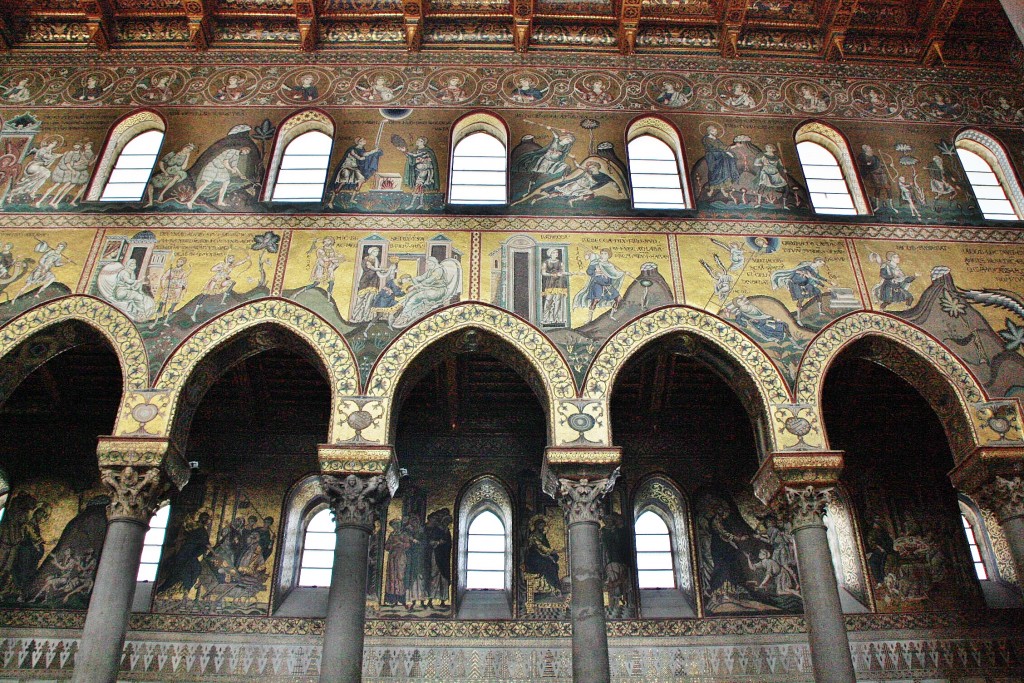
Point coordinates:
[(608, 394)]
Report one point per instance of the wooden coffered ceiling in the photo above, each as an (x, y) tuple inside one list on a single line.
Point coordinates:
[(905, 31)]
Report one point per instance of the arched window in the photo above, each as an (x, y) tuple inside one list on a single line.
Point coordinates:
[(128, 158), (991, 176), (654, 565), (479, 161), (664, 562), (990, 556), (829, 170), (655, 165), (318, 550), (302, 152), (485, 551), (972, 544), (154, 544)]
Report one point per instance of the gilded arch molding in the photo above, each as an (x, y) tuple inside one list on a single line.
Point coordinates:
[(115, 327), (536, 348), (973, 405), (772, 391), (323, 339)]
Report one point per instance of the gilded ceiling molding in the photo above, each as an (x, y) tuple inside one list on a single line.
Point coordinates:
[(613, 356), (824, 349), (324, 340), (537, 349), (512, 224)]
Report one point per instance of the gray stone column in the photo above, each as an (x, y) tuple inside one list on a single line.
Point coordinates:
[(135, 494), (580, 499), (1015, 12), (353, 500), (830, 646)]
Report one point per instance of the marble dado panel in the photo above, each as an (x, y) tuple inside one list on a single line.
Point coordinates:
[(180, 658)]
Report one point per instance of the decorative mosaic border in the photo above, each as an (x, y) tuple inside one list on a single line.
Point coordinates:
[(512, 224)]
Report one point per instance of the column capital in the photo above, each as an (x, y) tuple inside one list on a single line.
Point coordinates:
[(353, 499), (138, 473), (579, 490), (995, 477), (780, 471), (804, 506)]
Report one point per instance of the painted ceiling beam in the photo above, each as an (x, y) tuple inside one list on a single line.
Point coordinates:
[(732, 26), (1015, 13), (839, 19), (522, 24), (308, 21), (935, 37), (629, 22), (413, 12), (99, 19), (198, 14)]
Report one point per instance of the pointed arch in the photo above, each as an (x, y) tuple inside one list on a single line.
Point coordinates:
[(537, 350), (478, 172), (993, 153), (833, 141), (764, 376), (932, 356), (114, 325), (664, 132), (336, 358), (124, 130), (291, 129)]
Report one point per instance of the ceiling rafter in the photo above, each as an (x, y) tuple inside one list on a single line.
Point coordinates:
[(413, 12), (839, 18), (307, 17), (732, 26), (935, 37), (629, 22), (99, 17), (522, 24), (198, 13)]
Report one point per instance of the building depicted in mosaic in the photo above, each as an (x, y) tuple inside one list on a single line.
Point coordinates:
[(488, 341)]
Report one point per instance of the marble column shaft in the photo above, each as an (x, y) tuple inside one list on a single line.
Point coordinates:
[(353, 501), (136, 492), (823, 613), (581, 499)]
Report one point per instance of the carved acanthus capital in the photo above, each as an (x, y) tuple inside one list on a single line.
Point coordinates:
[(805, 506), (354, 498), (135, 492), (1005, 495), (581, 499)]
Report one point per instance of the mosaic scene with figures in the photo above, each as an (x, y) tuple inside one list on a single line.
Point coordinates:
[(477, 341)]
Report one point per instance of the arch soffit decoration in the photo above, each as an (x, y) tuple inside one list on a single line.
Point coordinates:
[(115, 326), (328, 344), (624, 344), (480, 122), (830, 342), (535, 347), (832, 140), (123, 132), (295, 125)]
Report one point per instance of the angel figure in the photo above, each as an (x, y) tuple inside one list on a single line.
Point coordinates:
[(737, 255), (42, 275), (722, 278)]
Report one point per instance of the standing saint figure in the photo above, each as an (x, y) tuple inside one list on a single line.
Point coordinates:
[(327, 262), (367, 286), (173, 284), (603, 289), (894, 285), (554, 289), (397, 546), (420, 171), (721, 161)]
